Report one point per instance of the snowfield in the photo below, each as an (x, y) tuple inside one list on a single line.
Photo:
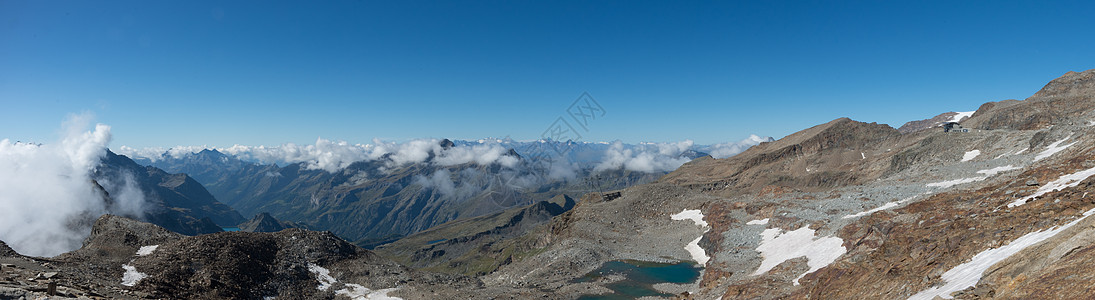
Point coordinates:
[(968, 274), (693, 247), (777, 247)]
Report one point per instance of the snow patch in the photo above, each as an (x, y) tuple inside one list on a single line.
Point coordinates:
[(1065, 181), (950, 183), (970, 155), (690, 214), (697, 252), (968, 274), (131, 276), (354, 291), (777, 247), (358, 292), (880, 208), (863, 155), (146, 250), (987, 172), (1054, 148), (693, 247), (961, 115), (997, 170), (323, 275), (758, 222), (1021, 151)]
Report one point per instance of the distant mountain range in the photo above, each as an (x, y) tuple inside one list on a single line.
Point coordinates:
[(378, 200)]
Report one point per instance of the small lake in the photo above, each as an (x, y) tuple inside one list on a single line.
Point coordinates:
[(640, 277), (231, 228)]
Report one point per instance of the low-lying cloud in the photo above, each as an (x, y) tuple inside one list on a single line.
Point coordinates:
[(483, 154), (48, 199), (646, 157), (725, 150), (333, 156)]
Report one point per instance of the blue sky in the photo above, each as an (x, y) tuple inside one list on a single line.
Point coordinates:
[(166, 73)]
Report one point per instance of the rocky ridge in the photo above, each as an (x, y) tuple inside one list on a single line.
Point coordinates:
[(128, 259), (479, 245), (176, 201)]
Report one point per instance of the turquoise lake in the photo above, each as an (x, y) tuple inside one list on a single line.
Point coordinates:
[(640, 277)]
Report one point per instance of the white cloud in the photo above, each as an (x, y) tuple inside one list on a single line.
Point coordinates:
[(562, 170), (335, 155), (413, 151), (152, 153), (441, 181), (332, 156), (460, 185), (325, 154), (725, 150), (47, 197), (647, 157), (484, 154)]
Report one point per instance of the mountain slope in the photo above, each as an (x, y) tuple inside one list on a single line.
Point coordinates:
[(824, 156), (379, 201), (458, 246), (174, 201)]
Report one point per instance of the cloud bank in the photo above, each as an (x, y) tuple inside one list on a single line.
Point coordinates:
[(333, 156), (646, 157), (48, 199)]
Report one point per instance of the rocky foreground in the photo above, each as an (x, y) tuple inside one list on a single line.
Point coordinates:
[(128, 259)]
